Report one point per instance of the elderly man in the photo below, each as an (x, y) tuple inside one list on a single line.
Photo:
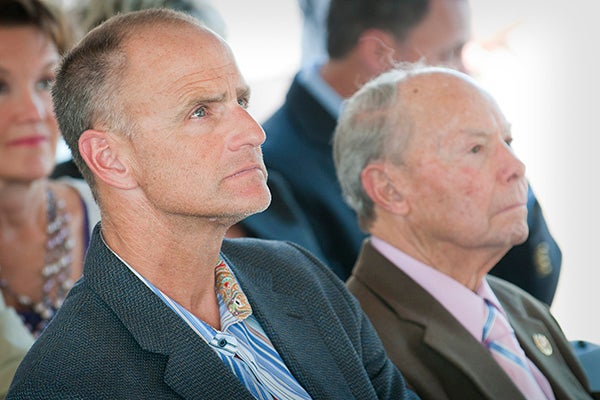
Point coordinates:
[(365, 38), (423, 155), (153, 107)]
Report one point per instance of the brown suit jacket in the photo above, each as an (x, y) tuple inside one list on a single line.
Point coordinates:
[(438, 357)]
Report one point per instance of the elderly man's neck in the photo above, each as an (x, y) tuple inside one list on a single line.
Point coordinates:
[(467, 266)]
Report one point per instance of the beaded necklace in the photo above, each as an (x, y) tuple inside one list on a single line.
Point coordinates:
[(55, 273)]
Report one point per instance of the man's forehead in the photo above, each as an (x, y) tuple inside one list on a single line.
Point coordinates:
[(164, 42), (177, 58), (439, 100), (424, 91)]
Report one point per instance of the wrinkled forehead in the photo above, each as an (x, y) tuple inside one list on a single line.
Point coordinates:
[(162, 58)]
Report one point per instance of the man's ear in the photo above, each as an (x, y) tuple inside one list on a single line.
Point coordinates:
[(384, 190), (378, 50), (100, 152)]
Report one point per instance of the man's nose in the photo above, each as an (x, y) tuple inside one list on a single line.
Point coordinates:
[(248, 132)]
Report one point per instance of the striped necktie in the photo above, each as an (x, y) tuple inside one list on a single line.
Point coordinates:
[(500, 340)]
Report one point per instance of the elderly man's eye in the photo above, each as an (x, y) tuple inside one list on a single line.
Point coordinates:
[(476, 149), (199, 112), (244, 102)]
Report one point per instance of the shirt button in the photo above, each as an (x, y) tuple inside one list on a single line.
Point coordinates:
[(222, 342)]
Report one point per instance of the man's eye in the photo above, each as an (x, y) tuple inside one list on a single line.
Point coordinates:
[(244, 102), (199, 112), (476, 149)]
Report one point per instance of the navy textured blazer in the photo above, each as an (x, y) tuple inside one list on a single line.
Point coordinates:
[(114, 339), (299, 147), (439, 358)]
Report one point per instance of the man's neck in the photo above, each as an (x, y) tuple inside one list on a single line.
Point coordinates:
[(467, 266), (177, 259)]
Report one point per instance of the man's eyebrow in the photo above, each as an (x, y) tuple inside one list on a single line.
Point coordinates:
[(505, 129), (474, 132), (243, 91), (199, 96), (197, 99)]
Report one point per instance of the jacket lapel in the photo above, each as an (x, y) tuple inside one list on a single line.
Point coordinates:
[(536, 341), (442, 333), (291, 315), (192, 367)]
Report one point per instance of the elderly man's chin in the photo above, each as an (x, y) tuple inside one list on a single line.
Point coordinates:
[(519, 234)]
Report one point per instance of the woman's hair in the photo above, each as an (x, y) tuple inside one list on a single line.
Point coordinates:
[(40, 14)]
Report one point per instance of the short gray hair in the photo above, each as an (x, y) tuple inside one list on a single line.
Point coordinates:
[(372, 127)]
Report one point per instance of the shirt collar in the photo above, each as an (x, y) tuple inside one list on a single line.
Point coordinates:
[(233, 303), (466, 306)]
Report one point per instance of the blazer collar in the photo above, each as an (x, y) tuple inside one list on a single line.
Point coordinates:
[(279, 308), (192, 365)]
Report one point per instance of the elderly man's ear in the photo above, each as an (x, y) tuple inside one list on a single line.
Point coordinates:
[(385, 188), (104, 154)]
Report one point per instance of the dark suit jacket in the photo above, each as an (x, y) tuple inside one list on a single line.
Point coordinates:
[(114, 339), (438, 357), (299, 147)]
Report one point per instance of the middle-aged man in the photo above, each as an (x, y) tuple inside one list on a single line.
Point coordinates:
[(153, 107), (423, 155), (365, 38)]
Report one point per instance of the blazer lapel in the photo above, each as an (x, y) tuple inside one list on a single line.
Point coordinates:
[(192, 365), (442, 332), (553, 365), (288, 325), (451, 341)]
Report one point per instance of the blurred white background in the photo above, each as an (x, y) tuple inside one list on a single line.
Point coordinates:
[(545, 80), (546, 83)]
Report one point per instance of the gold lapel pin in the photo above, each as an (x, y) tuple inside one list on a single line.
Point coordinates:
[(542, 343)]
